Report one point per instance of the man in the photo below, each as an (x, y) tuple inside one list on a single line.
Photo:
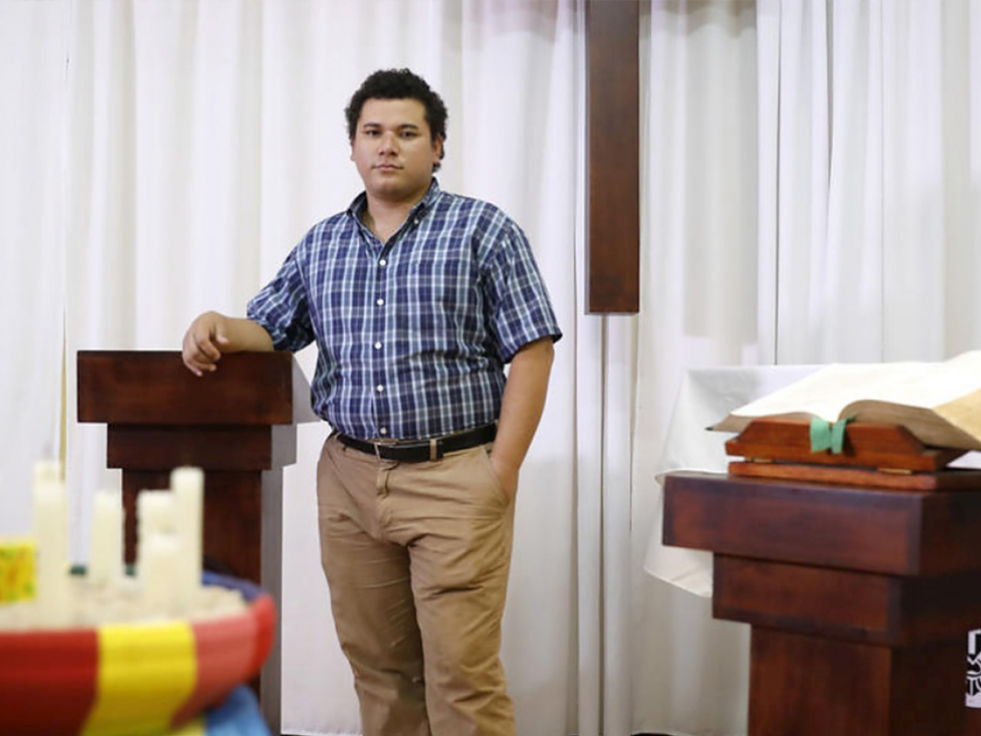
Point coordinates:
[(417, 299)]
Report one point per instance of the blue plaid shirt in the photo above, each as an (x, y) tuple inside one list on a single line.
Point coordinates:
[(413, 334)]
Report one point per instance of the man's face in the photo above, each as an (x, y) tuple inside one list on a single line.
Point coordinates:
[(393, 149)]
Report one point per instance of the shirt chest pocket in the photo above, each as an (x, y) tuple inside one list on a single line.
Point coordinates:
[(442, 282)]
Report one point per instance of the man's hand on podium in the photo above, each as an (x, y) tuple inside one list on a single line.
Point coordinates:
[(211, 335)]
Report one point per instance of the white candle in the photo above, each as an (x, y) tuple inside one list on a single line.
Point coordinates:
[(47, 471), (188, 487), (106, 552), (51, 536), (155, 513), (158, 573)]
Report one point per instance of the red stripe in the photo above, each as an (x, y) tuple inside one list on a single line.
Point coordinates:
[(47, 681), (264, 611), (229, 651)]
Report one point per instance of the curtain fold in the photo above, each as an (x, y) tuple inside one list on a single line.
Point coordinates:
[(698, 308), (32, 270)]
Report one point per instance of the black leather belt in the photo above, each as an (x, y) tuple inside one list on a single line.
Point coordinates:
[(420, 451)]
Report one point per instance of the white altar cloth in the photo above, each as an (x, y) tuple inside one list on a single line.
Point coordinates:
[(705, 397)]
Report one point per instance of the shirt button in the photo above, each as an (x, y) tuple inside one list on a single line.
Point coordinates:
[(378, 346), (382, 262), (379, 302), (379, 389), (383, 430)]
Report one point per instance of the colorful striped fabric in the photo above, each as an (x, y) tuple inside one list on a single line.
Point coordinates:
[(131, 680)]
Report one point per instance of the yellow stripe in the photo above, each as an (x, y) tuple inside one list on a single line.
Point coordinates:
[(146, 672)]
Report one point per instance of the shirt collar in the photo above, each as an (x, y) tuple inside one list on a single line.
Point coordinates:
[(356, 208)]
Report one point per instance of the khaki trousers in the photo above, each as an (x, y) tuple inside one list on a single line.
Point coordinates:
[(417, 557)]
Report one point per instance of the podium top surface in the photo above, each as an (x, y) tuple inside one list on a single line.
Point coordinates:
[(155, 388), (884, 531)]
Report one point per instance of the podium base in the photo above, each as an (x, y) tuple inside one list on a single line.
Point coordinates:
[(813, 686)]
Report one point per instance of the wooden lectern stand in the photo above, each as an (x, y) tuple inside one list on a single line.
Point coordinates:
[(860, 600), (237, 424)]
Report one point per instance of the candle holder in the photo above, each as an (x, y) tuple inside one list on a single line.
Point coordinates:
[(132, 679)]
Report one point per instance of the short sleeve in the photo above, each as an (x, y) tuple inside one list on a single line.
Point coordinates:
[(282, 306), (520, 311)]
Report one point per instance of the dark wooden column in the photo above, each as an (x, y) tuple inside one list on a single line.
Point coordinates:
[(613, 156)]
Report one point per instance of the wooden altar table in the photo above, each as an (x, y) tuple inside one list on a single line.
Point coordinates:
[(860, 600)]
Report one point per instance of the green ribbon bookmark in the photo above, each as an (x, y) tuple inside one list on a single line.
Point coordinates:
[(827, 435)]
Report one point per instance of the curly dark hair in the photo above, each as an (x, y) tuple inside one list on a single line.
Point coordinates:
[(398, 84)]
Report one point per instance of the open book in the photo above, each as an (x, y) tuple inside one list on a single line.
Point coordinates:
[(940, 403)]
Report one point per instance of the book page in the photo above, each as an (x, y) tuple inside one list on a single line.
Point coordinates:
[(939, 402), (824, 394), (933, 385), (829, 391)]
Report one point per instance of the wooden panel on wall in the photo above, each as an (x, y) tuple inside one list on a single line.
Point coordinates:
[(613, 157)]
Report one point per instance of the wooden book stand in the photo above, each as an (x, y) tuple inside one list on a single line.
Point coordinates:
[(873, 456)]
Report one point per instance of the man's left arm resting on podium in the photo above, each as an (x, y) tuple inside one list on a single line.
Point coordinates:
[(212, 334)]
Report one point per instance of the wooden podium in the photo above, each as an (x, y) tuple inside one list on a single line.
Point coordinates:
[(237, 424), (860, 600)]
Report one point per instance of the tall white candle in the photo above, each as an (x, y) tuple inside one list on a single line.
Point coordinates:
[(188, 487), (51, 536), (155, 513), (47, 471), (106, 552), (158, 573)]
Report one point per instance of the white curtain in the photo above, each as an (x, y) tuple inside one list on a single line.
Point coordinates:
[(877, 150), (699, 290), (32, 101), (810, 177)]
